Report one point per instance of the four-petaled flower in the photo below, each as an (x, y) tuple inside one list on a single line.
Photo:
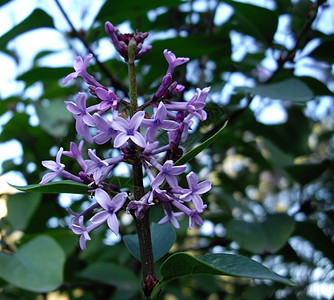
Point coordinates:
[(109, 99), (158, 121), (110, 207), (128, 129), (57, 167), (82, 116), (168, 172), (173, 61), (80, 67), (196, 189)]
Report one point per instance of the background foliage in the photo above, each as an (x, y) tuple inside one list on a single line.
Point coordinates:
[(273, 178)]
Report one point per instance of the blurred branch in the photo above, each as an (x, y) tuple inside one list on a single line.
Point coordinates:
[(114, 81)]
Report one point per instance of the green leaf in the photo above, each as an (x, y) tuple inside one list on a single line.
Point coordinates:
[(37, 266), (192, 153), (112, 274), (44, 74), (268, 236), (18, 203), (306, 173), (37, 19), (182, 264), (291, 89), (249, 19), (54, 118), (57, 187), (324, 52), (163, 238)]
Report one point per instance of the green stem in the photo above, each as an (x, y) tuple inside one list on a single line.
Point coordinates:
[(142, 225)]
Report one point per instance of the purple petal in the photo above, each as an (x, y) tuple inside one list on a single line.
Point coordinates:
[(72, 107), (159, 179), (100, 217), (192, 181), (78, 63), (70, 76), (120, 124), (172, 181), (136, 120), (204, 187), (169, 125), (83, 240), (103, 198), (118, 201), (120, 139), (80, 100), (198, 203), (48, 177), (138, 139), (101, 93), (113, 223)]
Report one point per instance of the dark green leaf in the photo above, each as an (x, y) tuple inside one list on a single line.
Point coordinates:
[(192, 153), (18, 203), (290, 89), (163, 238), (306, 173), (182, 264), (249, 19), (57, 187), (44, 74), (268, 236), (112, 274), (37, 266), (324, 52), (37, 19)]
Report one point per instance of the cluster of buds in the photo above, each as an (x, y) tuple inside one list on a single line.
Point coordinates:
[(135, 135)]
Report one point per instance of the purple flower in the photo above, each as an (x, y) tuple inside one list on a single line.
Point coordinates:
[(95, 166), (80, 70), (110, 207), (56, 167), (158, 120), (173, 61), (198, 102), (105, 130), (82, 116), (142, 205), (194, 217), (108, 98), (82, 230), (166, 81), (170, 216), (196, 189), (75, 152), (168, 172), (128, 129)]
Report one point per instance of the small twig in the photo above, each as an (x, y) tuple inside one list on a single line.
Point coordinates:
[(114, 82)]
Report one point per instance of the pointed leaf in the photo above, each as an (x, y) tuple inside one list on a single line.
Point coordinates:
[(37, 19), (192, 153), (182, 264), (37, 266), (163, 238), (57, 187)]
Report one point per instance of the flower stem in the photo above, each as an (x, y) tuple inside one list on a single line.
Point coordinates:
[(143, 224)]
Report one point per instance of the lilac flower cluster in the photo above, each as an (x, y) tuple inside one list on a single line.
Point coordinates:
[(135, 137)]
